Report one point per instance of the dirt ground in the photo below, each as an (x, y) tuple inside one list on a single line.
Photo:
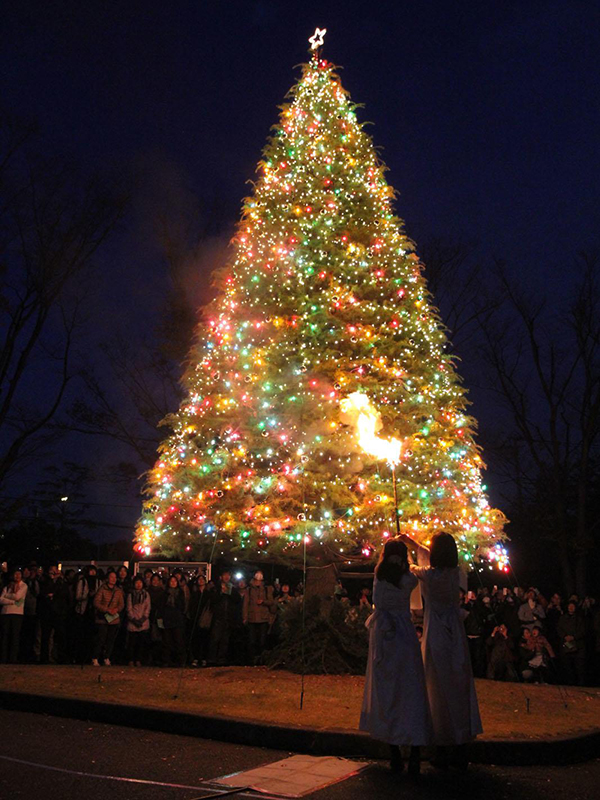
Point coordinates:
[(508, 710)]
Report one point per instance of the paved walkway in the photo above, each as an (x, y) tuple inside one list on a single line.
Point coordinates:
[(97, 761)]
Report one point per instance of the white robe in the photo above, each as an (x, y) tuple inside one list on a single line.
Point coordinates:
[(448, 673), (395, 708)]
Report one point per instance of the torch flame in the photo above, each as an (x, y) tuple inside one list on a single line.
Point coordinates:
[(358, 411)]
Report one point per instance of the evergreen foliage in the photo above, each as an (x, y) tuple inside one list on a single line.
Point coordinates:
[(324, 298)]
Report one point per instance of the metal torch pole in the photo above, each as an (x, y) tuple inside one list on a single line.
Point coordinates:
[(396, 500)]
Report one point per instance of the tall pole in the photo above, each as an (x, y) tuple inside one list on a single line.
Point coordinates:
[(396, 515)]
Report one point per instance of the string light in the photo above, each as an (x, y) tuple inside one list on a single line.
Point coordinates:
[(323, 304)]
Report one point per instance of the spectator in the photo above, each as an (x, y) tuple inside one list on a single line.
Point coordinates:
[(554, 612), (225, 601), (200, 620), (184, 587), (123, 579), (138, 623), (525, 656), (536, 655), (258, 615), (340, 591), (364, 598), (571, 635), (53, 613), (85, 590), (285, 597), (29, 629), (12, 600), (109, 602), (148, 578), (486, 614), (500, 655), (238, 642), (509, 615), (531, 611), (156, 592), (171, 621), (473, 622)]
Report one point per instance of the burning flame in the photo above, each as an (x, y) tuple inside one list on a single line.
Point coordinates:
[(358, 411)]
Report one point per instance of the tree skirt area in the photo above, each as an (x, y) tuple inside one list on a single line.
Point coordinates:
[(508, 710)]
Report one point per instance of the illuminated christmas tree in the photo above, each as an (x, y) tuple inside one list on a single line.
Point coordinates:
[(321, 362)]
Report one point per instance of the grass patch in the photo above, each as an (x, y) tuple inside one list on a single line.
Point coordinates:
[(331, 701)]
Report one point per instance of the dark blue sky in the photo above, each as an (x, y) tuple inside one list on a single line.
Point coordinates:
[(487, 113)]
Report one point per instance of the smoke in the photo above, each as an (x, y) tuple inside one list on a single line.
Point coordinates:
[(189, 234)]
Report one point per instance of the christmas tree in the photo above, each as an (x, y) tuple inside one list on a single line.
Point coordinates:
[(321, 364)]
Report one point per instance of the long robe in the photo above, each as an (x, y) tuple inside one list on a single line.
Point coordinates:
[(448, 673), (395, 708)]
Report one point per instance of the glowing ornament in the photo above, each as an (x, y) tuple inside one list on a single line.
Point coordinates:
[(317, 39)]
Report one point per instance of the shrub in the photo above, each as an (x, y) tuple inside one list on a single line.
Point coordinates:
[(332, 641)]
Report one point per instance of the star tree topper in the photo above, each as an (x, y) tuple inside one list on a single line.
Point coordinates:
[(317, 39)]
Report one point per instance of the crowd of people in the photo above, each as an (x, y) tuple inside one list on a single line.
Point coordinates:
[(176, 619), (520, 635), (150, 618)]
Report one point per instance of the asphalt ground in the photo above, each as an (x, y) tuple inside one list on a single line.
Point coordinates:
[(160, 766)]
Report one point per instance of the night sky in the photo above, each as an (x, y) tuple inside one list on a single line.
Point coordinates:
[(487, 113)]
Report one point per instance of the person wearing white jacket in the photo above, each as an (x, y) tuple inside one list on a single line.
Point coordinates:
[(12, 602)]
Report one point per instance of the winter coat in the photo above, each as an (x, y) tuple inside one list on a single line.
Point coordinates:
[(529, 615), (225, 605), (53, 602), (85, 589), (509, 615), (198, 602), (138, 611), (13, 602), (259, 605), (538, 645), (500, 649), (571, 625), (156, 594), (172, 608), (108, 601), (31, 598), (473, 620)]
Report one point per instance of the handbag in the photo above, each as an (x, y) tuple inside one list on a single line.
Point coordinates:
[(537, 661)]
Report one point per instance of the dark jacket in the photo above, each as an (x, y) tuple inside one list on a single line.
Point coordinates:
[(259, 605), (85, 589), (172, 608), (53, 602), (225, 607), (198, 602), (156, 598), (571, 625), (474, 619)]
